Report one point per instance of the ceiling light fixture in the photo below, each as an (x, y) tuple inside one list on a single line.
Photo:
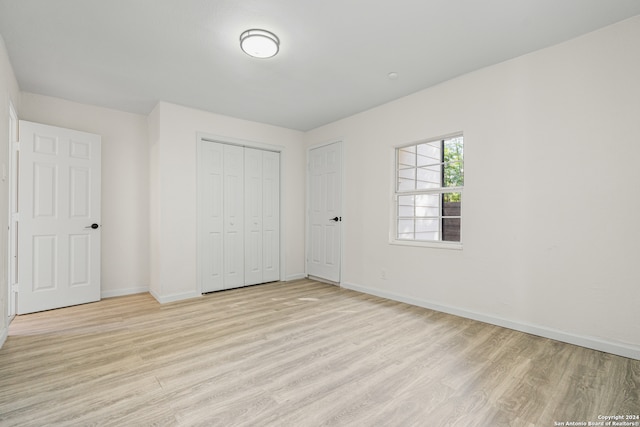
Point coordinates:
[(259, 43)]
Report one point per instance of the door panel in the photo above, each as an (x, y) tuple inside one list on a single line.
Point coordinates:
[(80, 183), (45, 251), (45, 184), (270, 216), (233, 208), (253, 215), (80, 256), (58, 199), (210, 170), (325, 203)]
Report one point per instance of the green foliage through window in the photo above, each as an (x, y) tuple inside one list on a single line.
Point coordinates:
[(453, 167)]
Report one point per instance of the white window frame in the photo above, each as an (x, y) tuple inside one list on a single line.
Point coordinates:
[(393, 229)]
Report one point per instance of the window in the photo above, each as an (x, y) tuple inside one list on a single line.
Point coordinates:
[(428, 191)]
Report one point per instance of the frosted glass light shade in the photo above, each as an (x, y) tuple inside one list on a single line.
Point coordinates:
[(259, 43)]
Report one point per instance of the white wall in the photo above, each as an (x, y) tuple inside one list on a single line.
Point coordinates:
[(551, 204), (9, 92), (125, 185), (173, 143)]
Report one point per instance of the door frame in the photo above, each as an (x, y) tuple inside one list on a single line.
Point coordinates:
[(12, 238), (344, 222), (207, 137)]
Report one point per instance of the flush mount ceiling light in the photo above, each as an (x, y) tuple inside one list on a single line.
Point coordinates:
[(259, 43)]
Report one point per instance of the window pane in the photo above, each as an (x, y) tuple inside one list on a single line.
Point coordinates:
[(428, 229), (406, 156), (406, 184), (406, 200), (427, 225), (405, 211), (451, 208), (429, 177), (406, 179), (427, 237), (422, 212), (428, 200), (451, 229), (429, 217), (452, 197), (407, 173), (429, 153), (405, 226), (454, 145), (453, 174), (453, 157)]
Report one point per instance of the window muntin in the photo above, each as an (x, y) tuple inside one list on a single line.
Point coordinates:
[(429, 182)]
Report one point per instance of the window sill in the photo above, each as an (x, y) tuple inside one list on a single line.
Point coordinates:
[(435, 245)]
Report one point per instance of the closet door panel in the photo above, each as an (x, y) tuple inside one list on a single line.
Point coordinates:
[(211, 218), (270, 216), (233, 208), (253, 216)]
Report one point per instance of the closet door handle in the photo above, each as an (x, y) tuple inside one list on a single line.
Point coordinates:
[(336, 219)]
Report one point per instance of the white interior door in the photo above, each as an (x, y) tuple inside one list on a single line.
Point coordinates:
[(325, 212), (59, 217)]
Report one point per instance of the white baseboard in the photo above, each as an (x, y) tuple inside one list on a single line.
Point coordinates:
[(620, 349), (163, 299), (323, 280), (292, 277), (3, 336), (123, 292)]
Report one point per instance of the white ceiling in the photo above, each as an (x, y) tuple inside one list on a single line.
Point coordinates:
[(334, 58)]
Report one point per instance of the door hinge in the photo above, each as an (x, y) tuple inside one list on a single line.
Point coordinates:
[(15, 287), (16, 146), (15, 217)]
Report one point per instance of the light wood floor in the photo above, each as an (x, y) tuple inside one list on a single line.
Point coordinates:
[(296, 354)]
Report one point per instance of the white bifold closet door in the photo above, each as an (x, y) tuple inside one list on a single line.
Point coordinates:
[(239, 206), (262, 216)]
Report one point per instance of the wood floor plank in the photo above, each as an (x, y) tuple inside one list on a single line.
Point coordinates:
[(299, 353)]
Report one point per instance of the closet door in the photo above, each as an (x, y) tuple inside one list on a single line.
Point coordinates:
[(210, 253), (270, 216), (239, 216), (262, 216), (233, 213), (253, 194)]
